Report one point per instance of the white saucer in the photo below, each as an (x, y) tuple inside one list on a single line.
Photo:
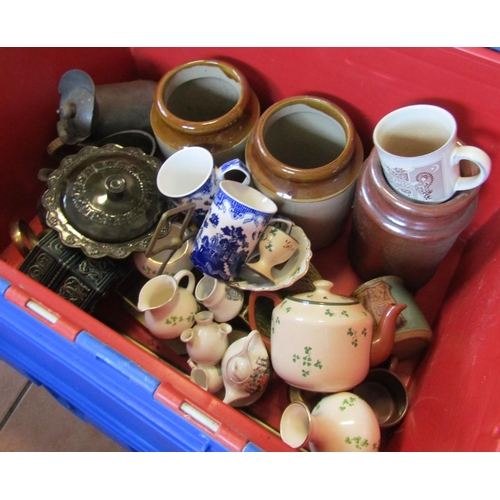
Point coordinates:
[(296, 267)]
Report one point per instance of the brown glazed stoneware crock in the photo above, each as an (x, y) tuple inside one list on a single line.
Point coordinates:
[(392, 235), (205, 103)]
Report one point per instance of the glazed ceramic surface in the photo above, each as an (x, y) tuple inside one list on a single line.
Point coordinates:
[(208, 377), (322, 342), (417, 147), (168, 307), (391, 235), (246, 370), (305, 155), (413, 332), (224, 301), (275, 247), (295, 268), (339, 422), (231, 230), (206, 342), (190, 176), (205, 103)]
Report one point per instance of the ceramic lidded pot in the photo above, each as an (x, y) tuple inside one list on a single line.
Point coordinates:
[(305, 155), (246, 370), (205, 103), (324, 342), (394, 236)]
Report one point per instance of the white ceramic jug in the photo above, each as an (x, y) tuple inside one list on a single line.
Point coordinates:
[(168, 308)]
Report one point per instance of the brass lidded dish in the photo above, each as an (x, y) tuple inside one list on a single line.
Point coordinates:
[(104, 200)]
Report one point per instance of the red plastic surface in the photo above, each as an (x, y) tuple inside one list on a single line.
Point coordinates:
[(454, 404)]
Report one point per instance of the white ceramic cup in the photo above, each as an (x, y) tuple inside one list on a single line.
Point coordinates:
[(190, 175), (231, 230), (420, 157)]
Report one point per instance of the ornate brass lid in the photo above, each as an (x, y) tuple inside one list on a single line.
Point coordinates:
[(105, 200)]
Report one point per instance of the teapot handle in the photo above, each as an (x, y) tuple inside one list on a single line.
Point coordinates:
[(252, 299), (191, 279)]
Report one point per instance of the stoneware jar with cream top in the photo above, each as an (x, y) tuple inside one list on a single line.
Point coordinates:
[(305, 155)]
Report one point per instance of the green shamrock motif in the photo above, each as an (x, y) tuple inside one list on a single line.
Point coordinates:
[(347, 402), (148, 270), (307, 361), (329, 313), (174, 320), (344, 313), (358, 442), (288, 309), (354, 334), (269, 247)]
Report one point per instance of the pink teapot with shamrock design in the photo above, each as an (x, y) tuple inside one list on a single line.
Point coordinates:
[(325, 342)]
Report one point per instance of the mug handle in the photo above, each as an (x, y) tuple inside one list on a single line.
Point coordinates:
[(231, 166), (477, 156)]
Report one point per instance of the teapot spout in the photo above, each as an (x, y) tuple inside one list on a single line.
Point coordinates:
[(384, 336)]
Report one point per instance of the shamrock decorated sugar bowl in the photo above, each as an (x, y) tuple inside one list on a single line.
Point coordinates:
[(324, 342)]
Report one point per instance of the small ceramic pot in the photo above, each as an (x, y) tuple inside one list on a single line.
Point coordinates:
[(394, 236), (339, 422), (205, 103), (305, 155), (206, 342), (224, 301)]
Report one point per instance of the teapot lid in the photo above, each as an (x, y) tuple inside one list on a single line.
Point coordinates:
[(323, 295)]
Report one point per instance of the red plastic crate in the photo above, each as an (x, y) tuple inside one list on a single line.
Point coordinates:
[(454, 404)]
